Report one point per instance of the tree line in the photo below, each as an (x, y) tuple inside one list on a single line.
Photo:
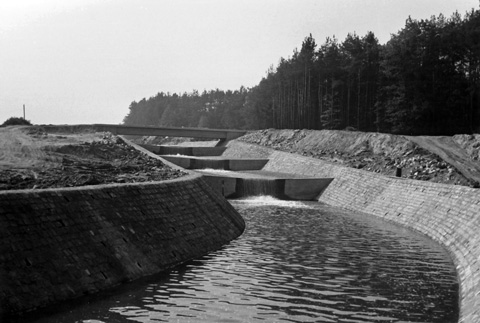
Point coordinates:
[(212, 109), (424, 80)]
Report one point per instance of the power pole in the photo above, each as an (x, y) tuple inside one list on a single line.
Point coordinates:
[(24, 112)]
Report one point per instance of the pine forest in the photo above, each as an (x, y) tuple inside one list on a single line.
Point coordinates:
[(424, 81)]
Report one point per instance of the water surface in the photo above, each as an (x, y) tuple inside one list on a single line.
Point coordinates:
[(296, 262)]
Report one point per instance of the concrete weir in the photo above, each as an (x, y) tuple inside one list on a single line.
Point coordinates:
[(190, 151), (236, 164), (239, 177), (447, 214), (244, 176), (242, 184)]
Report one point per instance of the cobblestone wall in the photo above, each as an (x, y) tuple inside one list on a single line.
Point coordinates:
[(63, 243), (448, 214)]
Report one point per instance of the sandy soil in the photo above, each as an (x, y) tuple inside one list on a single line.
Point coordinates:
[(25, 147), (31, 158)]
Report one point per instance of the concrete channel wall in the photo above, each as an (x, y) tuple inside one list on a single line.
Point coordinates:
[(448, 214), (58, 244)]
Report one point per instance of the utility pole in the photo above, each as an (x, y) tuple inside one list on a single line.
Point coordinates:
[(24, 112)]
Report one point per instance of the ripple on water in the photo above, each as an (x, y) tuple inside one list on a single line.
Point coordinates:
[(297, 262)]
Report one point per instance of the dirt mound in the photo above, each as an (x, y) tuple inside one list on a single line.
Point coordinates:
[(461, 152), (376, 152), (66, 161), (470, 143)]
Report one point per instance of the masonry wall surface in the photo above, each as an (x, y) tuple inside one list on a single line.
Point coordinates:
[(58, 244), (448, 214)]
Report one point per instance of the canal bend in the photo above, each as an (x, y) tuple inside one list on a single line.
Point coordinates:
[(296, 262)]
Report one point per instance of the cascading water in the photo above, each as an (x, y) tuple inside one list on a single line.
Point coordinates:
[(259, 186), (234, 184)]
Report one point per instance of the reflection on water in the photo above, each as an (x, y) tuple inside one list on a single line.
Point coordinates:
[(297, 262)]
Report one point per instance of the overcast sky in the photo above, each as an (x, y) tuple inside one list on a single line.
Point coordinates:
[(85, 61)]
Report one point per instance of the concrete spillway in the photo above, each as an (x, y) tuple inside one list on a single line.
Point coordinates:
[(283, 186), (190, 151), (191, 162), (241, 177)]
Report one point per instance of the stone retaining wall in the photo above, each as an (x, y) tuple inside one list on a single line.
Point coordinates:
[(448, 214), (58, 244)]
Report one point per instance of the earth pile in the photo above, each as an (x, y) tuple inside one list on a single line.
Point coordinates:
[(376, 152), (58, 162)]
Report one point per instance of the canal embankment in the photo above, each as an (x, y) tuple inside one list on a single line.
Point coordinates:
[(448, 214), (58, 244)]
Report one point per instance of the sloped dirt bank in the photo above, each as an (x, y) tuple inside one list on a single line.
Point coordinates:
[(460, 151), (381, 153), (31, 158)]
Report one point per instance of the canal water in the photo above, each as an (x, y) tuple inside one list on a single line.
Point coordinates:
[(296, 262)]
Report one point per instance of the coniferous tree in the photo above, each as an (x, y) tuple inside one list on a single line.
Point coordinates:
[(424, 80)]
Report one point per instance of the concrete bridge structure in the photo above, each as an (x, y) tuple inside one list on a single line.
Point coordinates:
[(223, 135)]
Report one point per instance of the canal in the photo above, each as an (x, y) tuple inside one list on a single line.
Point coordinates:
[(296, 262)]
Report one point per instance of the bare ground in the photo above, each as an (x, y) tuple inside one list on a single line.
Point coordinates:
[(460, 151), (31, 158), (448, 160)]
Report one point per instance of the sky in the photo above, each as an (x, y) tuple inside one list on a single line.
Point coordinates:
[(85, 61)]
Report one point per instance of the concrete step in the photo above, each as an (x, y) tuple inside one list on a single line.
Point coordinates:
[(185, 150), (238, 185), (190, 162)]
